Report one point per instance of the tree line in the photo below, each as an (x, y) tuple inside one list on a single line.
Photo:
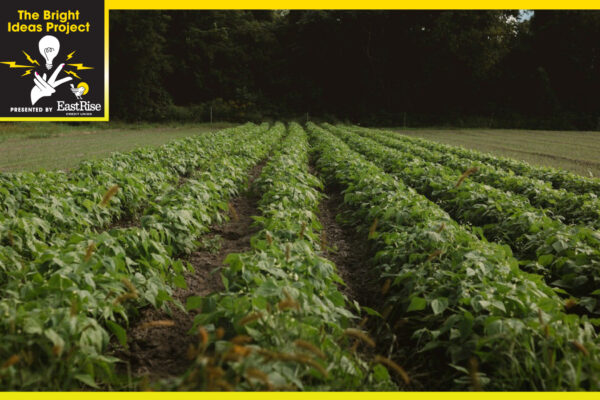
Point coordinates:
[(415, 68)]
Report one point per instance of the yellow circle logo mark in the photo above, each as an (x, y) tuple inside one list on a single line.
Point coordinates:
[(85, 87)]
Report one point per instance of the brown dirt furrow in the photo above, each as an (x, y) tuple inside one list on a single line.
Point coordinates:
[(160, 352), (123, 223), (348, 250), (351, 253)]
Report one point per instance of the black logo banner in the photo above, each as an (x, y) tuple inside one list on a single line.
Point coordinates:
[(53, 60)]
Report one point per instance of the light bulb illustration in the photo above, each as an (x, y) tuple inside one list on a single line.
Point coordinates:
[(49, 46)]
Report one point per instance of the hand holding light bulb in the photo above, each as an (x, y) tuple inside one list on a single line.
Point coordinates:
[(43, 87)]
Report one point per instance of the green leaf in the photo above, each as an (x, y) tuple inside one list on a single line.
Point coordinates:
[(337, 298), (179, 281), (119, 332), (465, 325), (439, 305), (88, 204), (256, 334), (234, 261), (54, 338), (588, 302), (260, 302), (417, 304), (563, 291), (163, 296), (88, 380), (32, 326), (268, 288), (545, 260), (459, 368), (193, 302), (499, 305), (560, 245), (370, 311), (380, 373), (225, 282)]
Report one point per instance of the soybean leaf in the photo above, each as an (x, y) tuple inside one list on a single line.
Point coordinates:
[(417, 304), (193, 302), (439, 305), (119, 332), (88, 380)]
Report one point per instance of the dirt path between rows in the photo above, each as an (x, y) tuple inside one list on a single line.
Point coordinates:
[(351, 253), (160, 352), (348, 251)]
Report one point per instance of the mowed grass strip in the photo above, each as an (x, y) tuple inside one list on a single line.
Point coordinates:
[(574, 151), (63, 146)]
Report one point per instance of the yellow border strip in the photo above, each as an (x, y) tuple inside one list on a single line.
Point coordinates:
[(106, 99), (347, 4), (312, 4), (106, 64), (304, 395)]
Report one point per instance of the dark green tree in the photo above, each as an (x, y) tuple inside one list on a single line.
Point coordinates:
[(478, 68), (139, 65)]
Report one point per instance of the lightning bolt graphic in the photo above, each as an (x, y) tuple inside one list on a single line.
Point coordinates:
[(72, 73), (13, 64), (80, 66), (70, 55), (30, 59), (27, 72)]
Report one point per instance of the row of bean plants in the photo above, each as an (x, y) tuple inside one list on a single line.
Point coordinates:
[(45, 207), (568, 256), (60, 310), (461, 295), (560, 179), (572, 208), (282, 323)]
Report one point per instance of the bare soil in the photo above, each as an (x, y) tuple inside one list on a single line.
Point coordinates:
[(160, 352), (124, 223), (351, 252), (348, 250)]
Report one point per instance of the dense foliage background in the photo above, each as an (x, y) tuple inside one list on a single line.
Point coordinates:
[(460, 68)]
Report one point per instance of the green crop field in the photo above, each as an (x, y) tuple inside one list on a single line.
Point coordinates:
[(289, 257), (32, 146), (574, 151)]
